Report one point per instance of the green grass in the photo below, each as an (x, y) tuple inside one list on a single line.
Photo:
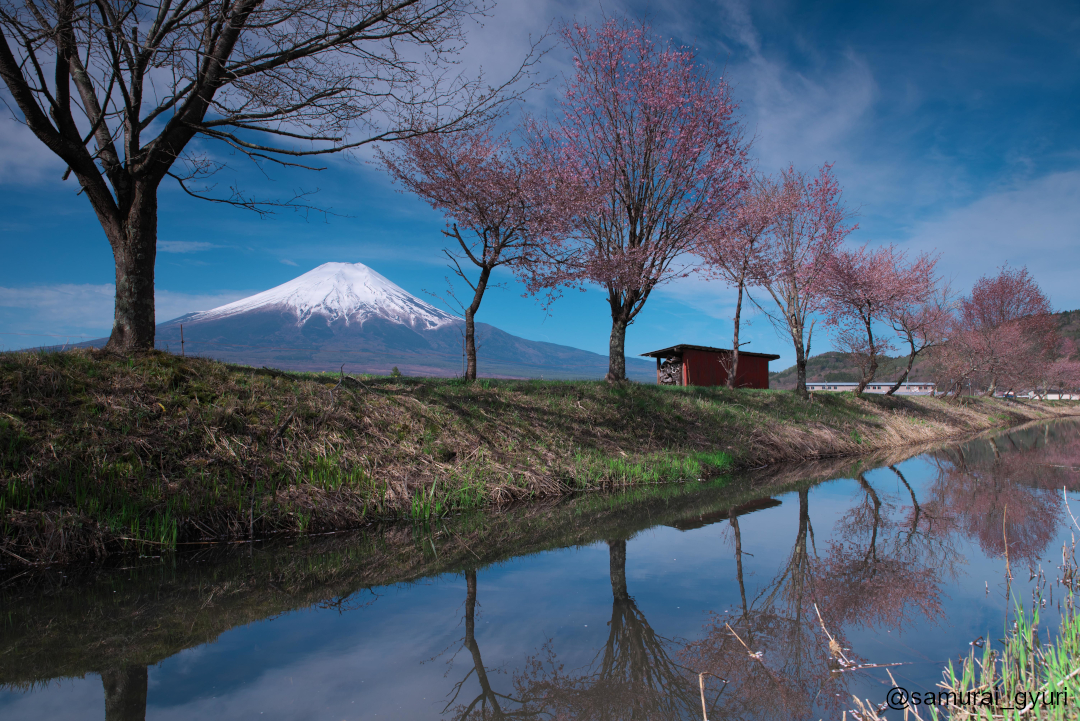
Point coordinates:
[(98, 451), (1024, 679)]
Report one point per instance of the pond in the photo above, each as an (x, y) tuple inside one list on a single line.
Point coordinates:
[(595, 607)]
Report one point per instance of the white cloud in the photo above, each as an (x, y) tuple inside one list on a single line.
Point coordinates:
[(47, 314), (286, 261), (184, 246), (1036, 224), (24, 160)]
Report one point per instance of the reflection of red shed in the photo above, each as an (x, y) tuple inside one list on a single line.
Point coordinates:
[(698, 365)]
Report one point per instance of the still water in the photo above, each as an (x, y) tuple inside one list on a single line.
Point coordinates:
[(596, 607)]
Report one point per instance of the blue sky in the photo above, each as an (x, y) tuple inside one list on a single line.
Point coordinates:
[(951, 126)]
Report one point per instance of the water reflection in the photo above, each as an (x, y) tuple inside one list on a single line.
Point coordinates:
[(634, 675), (886, 559), (125, 693)]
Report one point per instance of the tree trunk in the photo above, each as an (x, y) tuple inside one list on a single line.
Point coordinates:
[(486, 693), (800, 371), (134, 247), (734, 369), (470, 346), (125, 693), (470, 325), (907, 371), (616, 350), (869, 376), (734, 521), (872, 554), (617, 570)]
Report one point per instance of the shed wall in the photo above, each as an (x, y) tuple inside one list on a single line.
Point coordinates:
[(702, 368)]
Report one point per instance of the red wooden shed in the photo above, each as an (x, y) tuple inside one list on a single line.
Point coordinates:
[(698, 365)]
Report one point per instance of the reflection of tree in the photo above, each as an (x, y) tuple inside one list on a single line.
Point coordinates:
[(885, 563), (125, 693), (486, 704), (1008, 485), (793, 670), (880, 569), (633, 677)]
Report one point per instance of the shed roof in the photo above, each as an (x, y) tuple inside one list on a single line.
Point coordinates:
[(678, 350)]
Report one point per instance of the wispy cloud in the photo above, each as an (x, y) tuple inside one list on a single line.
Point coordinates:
[(184, 246), (1036, 224), (23, 158), (75, 310), (286, 261)]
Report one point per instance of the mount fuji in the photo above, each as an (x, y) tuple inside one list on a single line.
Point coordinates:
[(348, 313)]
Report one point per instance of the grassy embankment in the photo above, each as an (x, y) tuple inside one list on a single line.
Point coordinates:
[(97, 451)]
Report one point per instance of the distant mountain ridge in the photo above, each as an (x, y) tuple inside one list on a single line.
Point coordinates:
[(348, 313)]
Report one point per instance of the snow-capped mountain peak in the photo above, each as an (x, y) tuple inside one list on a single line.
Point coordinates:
[(351, 292)]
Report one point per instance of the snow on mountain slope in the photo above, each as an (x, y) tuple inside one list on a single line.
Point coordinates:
[(351, 292)]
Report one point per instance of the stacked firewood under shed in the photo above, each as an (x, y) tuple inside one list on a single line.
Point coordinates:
[(671, 372)]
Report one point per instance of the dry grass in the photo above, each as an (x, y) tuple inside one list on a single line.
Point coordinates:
[(98, 451)]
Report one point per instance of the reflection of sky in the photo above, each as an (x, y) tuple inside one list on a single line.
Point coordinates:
[(395, 653)]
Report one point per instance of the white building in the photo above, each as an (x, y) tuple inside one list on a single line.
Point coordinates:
[(911, 388)]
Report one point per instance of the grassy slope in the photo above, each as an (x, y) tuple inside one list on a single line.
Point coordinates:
[(97, 452)]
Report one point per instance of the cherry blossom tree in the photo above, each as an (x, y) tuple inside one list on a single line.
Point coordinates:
[(923, 324), (505, 208), (656, 143), (864, 287), (1003, 332), (733, 248), (129, 94), (811, 223), (1064, 372)]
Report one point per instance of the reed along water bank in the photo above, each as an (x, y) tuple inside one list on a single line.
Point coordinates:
[(100, 453)]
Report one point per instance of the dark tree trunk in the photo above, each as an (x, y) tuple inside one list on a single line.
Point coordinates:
[(907, 371), (800, 371), (486, 692), (134, 246), (470, 325), (617, 566), (733, 371), (872, 551), (914, 502), (738, 564), (125, 693), (616, 350), (868, 376)]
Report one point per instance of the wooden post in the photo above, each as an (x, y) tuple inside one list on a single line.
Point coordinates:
[(181, 340), (657, 370)]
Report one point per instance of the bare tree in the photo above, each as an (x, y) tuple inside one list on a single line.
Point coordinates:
[(119, 90)]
